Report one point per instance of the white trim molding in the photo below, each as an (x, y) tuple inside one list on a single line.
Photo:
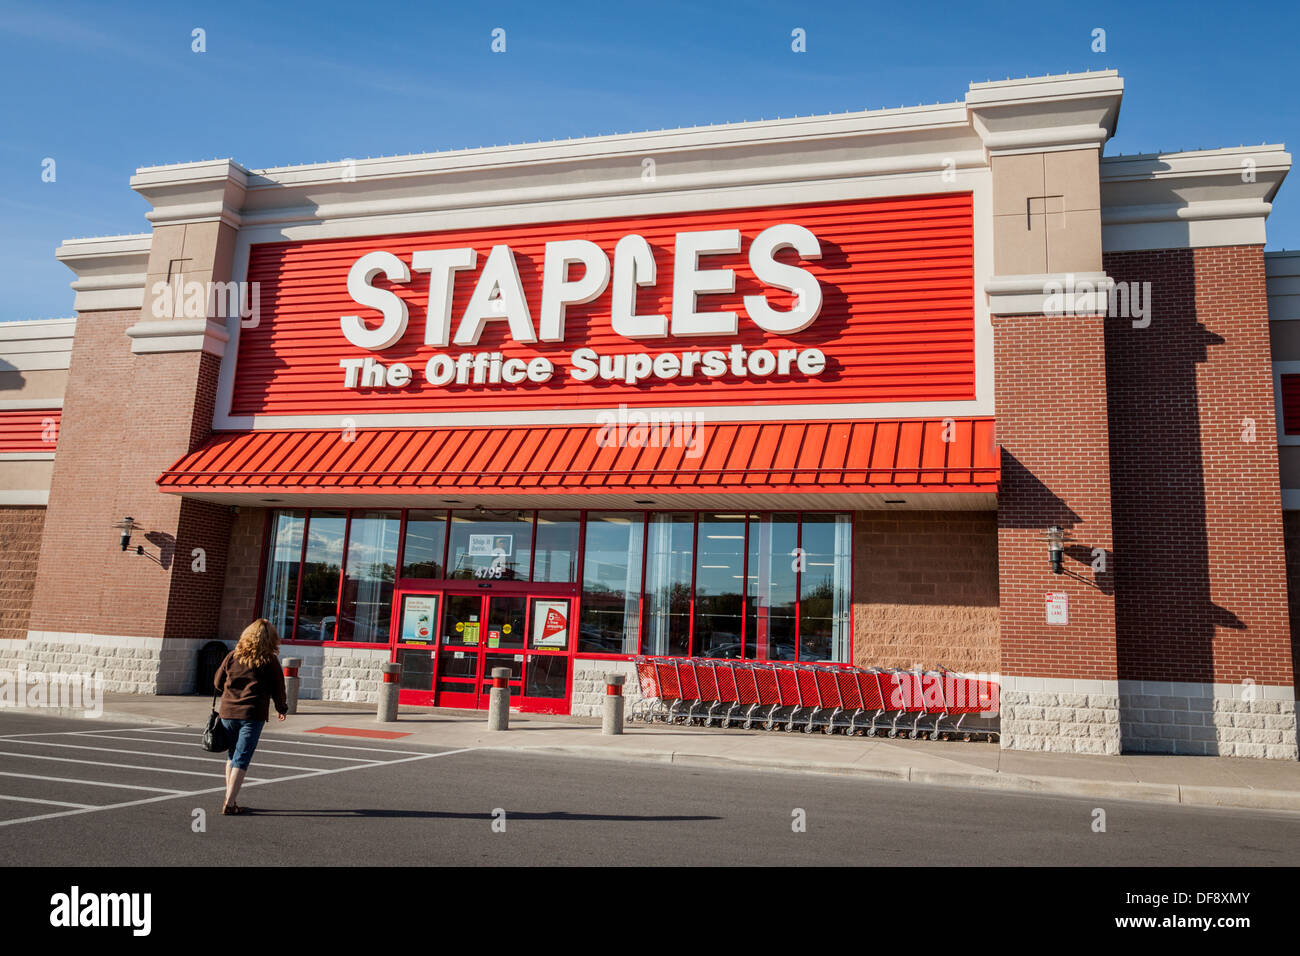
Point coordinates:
[(35, 344), (110, 271), (25, 499), (1186, 200), (26, 456), (1085, 293), (31, 404), (178, 335)]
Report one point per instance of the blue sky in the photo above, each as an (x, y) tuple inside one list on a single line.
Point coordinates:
[(103, 88)]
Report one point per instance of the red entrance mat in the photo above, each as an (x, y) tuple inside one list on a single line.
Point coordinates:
[(350, 732)]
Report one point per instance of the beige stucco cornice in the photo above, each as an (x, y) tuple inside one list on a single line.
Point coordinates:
[(1213, 197), (110, 271), (1043, 113), (210, 191)]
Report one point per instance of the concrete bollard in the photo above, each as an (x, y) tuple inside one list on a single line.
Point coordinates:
[(499, 700), (611, 721), (388, 692), (291, 665)]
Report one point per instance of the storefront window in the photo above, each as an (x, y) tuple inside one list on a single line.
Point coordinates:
[(426, 540), (719, 585), (496, 545), (824, 588), (556, 557), (280, 592), (669, 562), (371, 567), (320, 576), (765, 586), (611, 584), (769, 625)]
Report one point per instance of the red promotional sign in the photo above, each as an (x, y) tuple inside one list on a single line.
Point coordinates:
[(894, 282), (555, 623)]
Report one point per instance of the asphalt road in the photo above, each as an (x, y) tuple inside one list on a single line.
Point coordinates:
[(130, 796)]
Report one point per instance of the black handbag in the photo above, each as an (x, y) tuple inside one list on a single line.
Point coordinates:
[(215, 735)]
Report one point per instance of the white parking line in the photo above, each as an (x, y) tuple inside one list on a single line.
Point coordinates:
[(51, 803), (88, 783), (120, 766), (148, 753), (296, 743), (177, 743), (195, 793)]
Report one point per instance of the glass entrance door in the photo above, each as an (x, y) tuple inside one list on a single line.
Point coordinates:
[(448, 645), (502, 646)]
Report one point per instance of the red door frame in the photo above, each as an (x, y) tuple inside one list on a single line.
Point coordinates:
[(474, 699)]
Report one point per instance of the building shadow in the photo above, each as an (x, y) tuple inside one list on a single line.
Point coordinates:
[(1165, 619)]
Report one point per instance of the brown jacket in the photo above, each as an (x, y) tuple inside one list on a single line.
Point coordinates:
[(246, 692)]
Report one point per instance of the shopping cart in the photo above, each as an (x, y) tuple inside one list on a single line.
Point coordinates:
[(780, 695)]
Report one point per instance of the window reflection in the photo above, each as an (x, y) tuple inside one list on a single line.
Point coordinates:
[(280, 593), (611, 584), (496, 545), (426, 539), (719, 585), (368, 586), (770, 623), (668, 584), (320, 576), (824, 589)]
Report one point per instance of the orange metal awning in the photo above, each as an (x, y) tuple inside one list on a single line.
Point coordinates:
[(912, 455)]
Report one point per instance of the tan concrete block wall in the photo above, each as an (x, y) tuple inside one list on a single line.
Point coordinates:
[(244, 558), (20, 550), (925, 590)]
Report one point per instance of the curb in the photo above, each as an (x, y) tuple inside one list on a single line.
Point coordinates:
[(110, 716), (1239, 798)]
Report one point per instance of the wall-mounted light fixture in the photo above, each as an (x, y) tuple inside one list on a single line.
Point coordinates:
[(126, 526), (1056, 547)]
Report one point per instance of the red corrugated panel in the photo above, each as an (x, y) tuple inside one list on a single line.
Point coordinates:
[(29, 430), (760, 457), (1291, 404), (897, 323)]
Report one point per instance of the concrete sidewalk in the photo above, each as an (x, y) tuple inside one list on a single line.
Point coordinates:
[(1194, 781)]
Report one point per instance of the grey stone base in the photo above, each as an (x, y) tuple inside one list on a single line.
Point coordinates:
[(345, 674), (1060, 722), (130, 665), (1226, 720), (150, 665), (589, 686)]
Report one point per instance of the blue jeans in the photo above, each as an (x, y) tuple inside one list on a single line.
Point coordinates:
[(243, 740)]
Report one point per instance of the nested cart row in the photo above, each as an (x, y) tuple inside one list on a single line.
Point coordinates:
[(777, 695)]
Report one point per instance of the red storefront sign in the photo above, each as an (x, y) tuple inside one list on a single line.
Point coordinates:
[(892, 281)]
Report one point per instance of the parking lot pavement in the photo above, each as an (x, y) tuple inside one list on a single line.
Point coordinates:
[(50, 773)]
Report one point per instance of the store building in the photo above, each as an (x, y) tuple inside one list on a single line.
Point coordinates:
[(804, 389)]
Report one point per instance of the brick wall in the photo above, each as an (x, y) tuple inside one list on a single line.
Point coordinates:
[(244, 557), (20, 550), (125, 418), (925, 589), (1051, 423), (1200, 562)]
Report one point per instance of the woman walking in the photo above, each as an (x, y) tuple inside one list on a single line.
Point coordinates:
[(249, 679)]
